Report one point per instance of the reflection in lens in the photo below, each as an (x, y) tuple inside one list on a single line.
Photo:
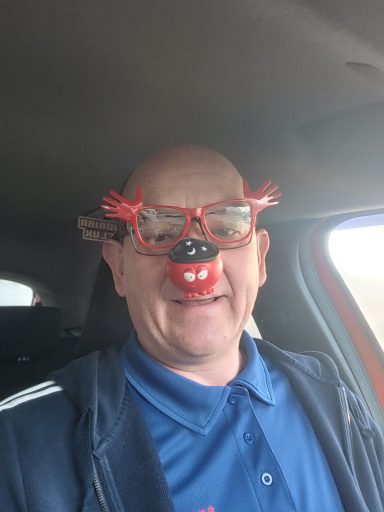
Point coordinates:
[(161, 226), (229, 222)]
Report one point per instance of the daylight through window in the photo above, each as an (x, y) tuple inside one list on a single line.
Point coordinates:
[(357, 250), (15, 294)]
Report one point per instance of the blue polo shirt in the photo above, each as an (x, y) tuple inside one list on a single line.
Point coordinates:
[(244, 447)]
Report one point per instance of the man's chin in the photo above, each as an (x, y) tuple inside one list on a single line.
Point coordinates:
[(202, 339)]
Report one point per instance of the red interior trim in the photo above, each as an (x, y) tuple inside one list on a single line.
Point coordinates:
[(366, 347)]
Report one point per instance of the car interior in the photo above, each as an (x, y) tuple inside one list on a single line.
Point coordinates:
[(291, 90)]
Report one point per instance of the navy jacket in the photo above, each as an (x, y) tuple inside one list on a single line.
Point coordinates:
[(78, 442)]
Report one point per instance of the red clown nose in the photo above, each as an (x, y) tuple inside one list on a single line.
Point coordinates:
[(194, 266)]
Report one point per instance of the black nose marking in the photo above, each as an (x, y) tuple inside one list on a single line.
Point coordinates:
[(193, 250)]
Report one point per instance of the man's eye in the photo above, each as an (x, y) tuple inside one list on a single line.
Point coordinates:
[(225, 233), (161, 237)]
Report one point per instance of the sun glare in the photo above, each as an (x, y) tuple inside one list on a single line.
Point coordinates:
[(359, 251), (358, 255)]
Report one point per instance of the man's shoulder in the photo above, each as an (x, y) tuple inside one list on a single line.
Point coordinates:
[(77, 385), (33, 417), (36, 394), (318, 365), (304, 368)]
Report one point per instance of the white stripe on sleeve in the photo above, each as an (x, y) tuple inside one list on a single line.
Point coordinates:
[(30, 396)]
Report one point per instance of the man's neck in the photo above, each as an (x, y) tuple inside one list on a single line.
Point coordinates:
[(212, 373)]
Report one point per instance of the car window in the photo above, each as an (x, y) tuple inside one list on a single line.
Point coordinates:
[(15, 294), (356, 248), (252, 328)]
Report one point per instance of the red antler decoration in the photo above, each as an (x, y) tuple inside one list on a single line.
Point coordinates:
[(120, 207), (263, 196)]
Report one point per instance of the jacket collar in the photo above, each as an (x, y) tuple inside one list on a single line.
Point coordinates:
[(96, 383), (104, 392)]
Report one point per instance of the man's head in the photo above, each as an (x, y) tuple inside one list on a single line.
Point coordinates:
[(183, 332)]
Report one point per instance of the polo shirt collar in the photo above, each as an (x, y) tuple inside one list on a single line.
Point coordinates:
[(189, 403)]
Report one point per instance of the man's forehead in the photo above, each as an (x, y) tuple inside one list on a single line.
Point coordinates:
[(201, 187), (203, 172)]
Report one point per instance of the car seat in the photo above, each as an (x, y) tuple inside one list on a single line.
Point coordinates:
[(108, 322), (30, 346)]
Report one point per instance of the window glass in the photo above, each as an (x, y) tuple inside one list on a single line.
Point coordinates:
[(15, 294), (357, 250), (252, 328)]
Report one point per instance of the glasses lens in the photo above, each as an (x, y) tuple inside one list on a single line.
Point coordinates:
[(229, 222), (160, 227)]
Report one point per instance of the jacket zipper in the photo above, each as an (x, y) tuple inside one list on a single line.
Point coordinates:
[(348, 433), (99, 492), (347, 423)]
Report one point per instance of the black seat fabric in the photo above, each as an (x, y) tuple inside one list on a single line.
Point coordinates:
[(30, 346), (108, 322)]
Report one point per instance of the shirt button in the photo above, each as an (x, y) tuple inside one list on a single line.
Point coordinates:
[(233, 399), (249, 438), (266, 479)]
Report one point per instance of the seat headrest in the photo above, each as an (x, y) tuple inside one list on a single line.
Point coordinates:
[(108, 321), (28, 331)]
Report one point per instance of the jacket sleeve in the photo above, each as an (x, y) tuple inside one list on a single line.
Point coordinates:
[(367, 451), (12, 491), (39, 469)]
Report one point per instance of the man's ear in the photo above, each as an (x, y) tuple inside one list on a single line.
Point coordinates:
[(262, 239), (113, 253)]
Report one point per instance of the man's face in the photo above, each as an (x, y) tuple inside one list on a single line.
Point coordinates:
[(174, 330)]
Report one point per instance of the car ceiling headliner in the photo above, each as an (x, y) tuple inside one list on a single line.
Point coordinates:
[(89, 88), (289, 90)]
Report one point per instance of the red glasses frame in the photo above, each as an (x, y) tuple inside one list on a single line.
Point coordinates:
[(119, 207)]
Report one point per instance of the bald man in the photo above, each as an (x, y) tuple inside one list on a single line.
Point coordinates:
[(192, 414), (198, 338)]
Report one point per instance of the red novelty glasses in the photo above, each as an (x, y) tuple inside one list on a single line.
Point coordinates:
[(155, 229)]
